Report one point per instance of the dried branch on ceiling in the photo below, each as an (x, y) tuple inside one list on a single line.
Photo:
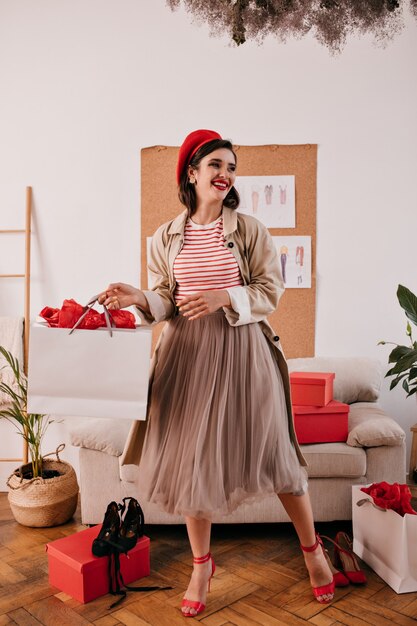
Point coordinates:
[(330, 21)]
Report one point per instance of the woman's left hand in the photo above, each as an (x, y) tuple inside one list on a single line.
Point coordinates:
[(203, 302)]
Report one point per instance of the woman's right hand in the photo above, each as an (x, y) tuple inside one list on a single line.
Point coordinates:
[(120, 296)]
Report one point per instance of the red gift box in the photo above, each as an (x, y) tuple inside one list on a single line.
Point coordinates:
[(75, 570), (321, 424), (311, 388)]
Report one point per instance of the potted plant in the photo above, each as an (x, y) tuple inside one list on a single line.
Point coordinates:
[(404, 358), (43, 492)]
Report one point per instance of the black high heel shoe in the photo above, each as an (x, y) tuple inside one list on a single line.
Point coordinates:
[(115, 538), (107, 539), (132, 526)]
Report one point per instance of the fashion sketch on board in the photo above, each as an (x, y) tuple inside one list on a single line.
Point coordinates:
[(271, 199), (294, 254)]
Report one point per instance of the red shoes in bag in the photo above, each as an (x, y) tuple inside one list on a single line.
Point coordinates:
[(346, 560)]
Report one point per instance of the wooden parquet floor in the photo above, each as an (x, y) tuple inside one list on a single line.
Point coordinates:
[(260, 580)]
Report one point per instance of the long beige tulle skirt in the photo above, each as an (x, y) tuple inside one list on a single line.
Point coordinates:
[(218, 428)]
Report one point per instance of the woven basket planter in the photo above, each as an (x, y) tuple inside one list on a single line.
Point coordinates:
[(40, 502)]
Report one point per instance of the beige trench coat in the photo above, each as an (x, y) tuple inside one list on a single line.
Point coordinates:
[(253, 248)]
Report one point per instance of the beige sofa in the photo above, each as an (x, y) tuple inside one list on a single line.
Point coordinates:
[(374, 451)]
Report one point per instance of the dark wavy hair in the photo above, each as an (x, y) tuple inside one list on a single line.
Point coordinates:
[(186, 191)]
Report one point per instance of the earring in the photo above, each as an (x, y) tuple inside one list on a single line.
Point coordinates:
[(192, 181)]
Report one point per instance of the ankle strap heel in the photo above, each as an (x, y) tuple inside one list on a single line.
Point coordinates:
[(202, 559), (313, 547), (323, 591), (195, 604)]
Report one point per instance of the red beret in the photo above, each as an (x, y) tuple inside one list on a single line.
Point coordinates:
[(190, 145)]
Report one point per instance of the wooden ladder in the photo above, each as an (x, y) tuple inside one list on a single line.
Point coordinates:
[(26, 277)]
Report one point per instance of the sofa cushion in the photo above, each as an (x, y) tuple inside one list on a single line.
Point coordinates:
[(358, 379), (104, 435), (333, 460), (370, 426)]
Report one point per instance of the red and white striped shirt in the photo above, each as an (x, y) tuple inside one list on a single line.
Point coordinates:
[(204, 262)]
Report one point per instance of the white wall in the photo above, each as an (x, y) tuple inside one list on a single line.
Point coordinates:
[(85, 84)]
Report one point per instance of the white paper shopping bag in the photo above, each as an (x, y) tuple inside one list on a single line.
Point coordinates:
[(89, 373), (386, 541)]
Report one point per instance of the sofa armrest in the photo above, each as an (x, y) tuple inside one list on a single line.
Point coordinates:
[(386, 463), (370, 426), (128, 473)]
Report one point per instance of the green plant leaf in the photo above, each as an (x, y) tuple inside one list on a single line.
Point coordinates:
[(413, 373), (32, 425), (404, 363), (398, 352), (408, 301), (394, 383), (5, 388), (405, 385), (6, 413), (393, 371), (13, 363), (397, 380)]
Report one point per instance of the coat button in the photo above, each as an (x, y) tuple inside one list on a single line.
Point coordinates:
[(230, 244), (276, 338)]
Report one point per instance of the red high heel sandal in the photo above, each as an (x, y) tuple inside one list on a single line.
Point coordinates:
[(346, 560), (324, 589), (195, 604)]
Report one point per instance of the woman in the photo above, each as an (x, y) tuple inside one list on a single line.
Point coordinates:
[(219, 428)]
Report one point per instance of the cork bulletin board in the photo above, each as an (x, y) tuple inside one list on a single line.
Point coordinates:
[(294, 320)]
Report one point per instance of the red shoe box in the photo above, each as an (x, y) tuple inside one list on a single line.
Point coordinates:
[(75, 570), (311, 388), (315, 424)]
